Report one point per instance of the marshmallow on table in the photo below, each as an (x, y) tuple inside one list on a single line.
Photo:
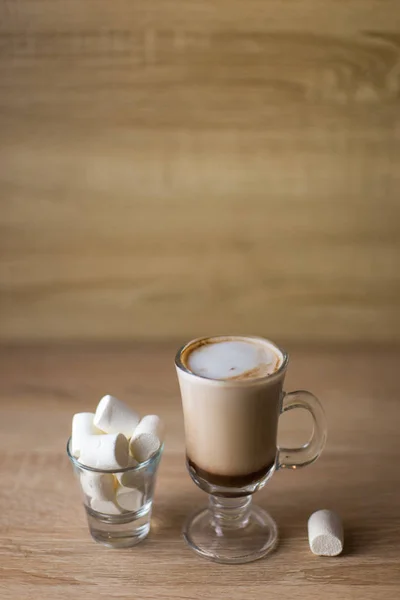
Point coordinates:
[(113, 416), (106, 452), (98, 485), (129, 478), (82, 427), (325, 533), (146, 438), (129, 499)]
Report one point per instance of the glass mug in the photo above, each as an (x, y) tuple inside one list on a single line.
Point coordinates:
[(231, 448)]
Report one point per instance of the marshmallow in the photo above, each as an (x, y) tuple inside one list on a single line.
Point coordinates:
[(106, 452), (325, 533), (129, 478), (107, 507), (129, 499), (113, 416), (98, 485), (82, 427), (146, 438)]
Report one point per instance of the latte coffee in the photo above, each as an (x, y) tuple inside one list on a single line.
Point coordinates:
[(231, 391)]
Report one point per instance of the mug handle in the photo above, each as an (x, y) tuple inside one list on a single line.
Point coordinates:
[(293, 458)]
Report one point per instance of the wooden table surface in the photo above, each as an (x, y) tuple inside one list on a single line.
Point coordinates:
[(45, 549)]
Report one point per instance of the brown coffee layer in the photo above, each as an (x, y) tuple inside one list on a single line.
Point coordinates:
[(234, 481)]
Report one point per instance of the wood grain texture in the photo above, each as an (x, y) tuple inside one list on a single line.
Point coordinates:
[(45, 548), (178, 168)]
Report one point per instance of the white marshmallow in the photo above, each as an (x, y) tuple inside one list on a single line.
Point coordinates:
[(129, 499), (82, 427), (144, 446), (107, 507), (113, 416), (98, 485), (107, 452), (129, 478), (146, 438), (325, 533)]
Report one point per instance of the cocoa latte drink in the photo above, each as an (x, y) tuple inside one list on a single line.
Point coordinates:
[(231, 389)]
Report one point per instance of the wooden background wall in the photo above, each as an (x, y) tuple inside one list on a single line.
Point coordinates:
[(179, 167)]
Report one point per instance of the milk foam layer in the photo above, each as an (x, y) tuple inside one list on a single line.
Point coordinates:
[(236, 358)]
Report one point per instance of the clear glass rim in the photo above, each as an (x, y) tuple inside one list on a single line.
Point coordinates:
[(140, 467), (232, 382)]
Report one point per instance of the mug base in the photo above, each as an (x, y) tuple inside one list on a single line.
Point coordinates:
[(247, 543)]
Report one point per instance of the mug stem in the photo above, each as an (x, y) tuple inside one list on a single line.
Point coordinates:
[(229, 513)]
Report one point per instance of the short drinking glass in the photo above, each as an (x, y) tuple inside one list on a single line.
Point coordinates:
[(118, 503)]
